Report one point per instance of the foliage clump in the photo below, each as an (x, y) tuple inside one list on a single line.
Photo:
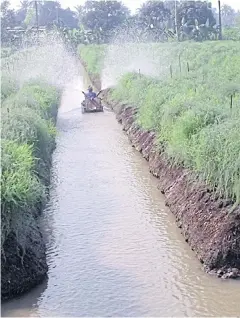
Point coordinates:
[(28, 133)]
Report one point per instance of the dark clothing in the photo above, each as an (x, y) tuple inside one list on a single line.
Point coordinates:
[(91, 95)]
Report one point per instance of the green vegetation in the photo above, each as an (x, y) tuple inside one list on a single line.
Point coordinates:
[(93, 56), (232, 33), (28, 133), (102, 21), (195, 113)]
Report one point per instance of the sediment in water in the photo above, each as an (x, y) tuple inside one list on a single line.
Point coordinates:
[(208, 222)]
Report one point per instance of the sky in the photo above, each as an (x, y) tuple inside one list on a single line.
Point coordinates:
[(132, 4)]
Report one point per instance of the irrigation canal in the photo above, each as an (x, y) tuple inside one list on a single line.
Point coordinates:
[(113, 247)]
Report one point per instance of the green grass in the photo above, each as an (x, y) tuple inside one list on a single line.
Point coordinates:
[(232, 33), (28, 134), (191, 114), (93, 56)]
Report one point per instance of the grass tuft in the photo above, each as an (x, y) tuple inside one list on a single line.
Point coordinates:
[(28, 134)]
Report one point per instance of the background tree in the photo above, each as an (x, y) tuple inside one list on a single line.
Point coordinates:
[(8, 20), (22, 12), (102, 18), (79, 13), (68, 18), (153, 18), (195, 20), (8, 17), (228, 15), (231, 24), (51, 13), (30, 16), (152, 14), (237, 19)]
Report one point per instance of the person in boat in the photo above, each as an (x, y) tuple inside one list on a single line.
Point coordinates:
[(91, 94)]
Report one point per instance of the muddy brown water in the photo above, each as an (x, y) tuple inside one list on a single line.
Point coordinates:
[(113, 248)]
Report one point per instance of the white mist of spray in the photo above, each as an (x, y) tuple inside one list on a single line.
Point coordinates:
[(128, 57), (50, 61), (131, 52)]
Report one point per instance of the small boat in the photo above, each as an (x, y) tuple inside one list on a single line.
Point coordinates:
[(91, 105)]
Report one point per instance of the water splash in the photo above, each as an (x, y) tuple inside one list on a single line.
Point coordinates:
[(121, 59), (127, 54), (132, 52), (49, 60)]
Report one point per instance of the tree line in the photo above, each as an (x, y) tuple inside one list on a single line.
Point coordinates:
[(100, 21)]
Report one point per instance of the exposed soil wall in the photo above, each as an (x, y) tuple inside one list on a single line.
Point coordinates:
[(204, 219), (22, 269)]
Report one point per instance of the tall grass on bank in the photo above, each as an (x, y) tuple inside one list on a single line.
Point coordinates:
[(93, 56), (194, 108), (28, 134)]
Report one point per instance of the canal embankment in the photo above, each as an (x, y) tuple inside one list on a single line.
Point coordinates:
[(186, 126), (28, 133)]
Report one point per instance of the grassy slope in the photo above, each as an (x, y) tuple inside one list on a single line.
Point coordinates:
[(190, 112), (94, 57), (28, 134)]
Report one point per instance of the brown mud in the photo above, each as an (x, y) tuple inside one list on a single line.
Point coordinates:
[(208, 222), (22, 268)]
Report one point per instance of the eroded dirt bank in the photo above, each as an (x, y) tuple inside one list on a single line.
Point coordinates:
[(23, 269), (204, 218)]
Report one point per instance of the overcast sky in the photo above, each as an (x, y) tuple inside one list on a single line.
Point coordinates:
[(132, 4)]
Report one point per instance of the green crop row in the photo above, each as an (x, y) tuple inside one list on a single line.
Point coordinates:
[(192, 102), (28, 139)]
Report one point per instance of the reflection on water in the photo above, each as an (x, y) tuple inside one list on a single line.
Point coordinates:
[(113, 247)]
